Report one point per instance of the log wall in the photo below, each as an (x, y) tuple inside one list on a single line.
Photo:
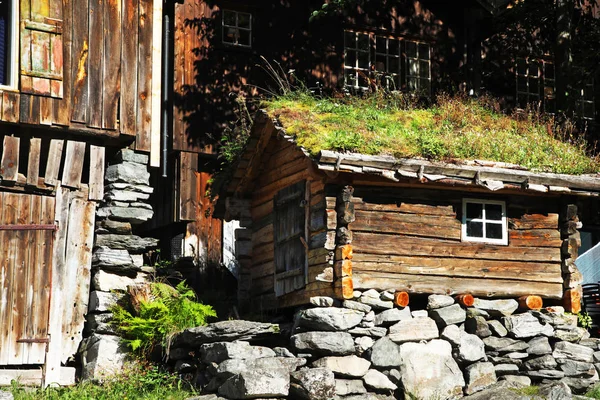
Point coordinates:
[(410, 240)]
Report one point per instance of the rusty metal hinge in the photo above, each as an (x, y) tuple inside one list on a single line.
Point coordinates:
[(29, 227)]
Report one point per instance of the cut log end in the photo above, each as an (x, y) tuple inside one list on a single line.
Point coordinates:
[(401, 299), (530, 302), (343, 252), (347, 288), (465, 299), (572, 301)]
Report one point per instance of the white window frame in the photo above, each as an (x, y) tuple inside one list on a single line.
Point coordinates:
[(225, 26), (414, 75), (483, 220), (389, 79), (581, 102), (13, 53), (355, 70), (546, 85)]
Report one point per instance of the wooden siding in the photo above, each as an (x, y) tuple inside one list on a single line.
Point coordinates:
[(410, 240)]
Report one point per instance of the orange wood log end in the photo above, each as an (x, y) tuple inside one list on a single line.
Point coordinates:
[(347, 287), (530, 302), (465, 299), (401, 299), (343, 268), (572, 301), (343, 252)]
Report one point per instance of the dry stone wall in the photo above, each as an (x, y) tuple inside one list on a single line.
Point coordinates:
[(368, 348)]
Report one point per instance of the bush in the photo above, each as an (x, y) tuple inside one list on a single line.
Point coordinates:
[(157, 311)]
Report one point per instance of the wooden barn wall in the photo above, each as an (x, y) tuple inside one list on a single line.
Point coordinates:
[(410, 240), (284, 165), (110, 71)]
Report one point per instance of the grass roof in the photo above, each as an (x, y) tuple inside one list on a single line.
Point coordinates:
[(452, 128)]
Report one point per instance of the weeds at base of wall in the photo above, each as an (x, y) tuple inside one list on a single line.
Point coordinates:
[(140, 380)]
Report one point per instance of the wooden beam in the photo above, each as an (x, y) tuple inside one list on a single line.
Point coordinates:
[(33, 161), (53, 162), (96, 173), (73, 164), (9, 166), (156, 83), (530, 302)]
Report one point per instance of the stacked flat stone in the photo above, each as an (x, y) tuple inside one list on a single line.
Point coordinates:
[(117, 260)]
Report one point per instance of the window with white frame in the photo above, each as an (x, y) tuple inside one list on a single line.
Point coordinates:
[(9, 41), (484, 221), (237, 28), (536, 83), (585, 107), (394, 63)]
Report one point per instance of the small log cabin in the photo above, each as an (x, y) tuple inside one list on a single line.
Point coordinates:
[(330, 224)]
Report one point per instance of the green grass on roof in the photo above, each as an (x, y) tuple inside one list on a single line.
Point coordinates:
[(453, 128)]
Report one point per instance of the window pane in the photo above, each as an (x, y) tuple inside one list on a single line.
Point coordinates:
[(474, 210), (244, 20), (350, 38), (394, 65), (381, 44), (588, 110), (425, 86), (413, 68), (521, 67), (475, 229), (244, 37), (363, 60), (424, 69), (380, 63), (534, 69), (493, 231), (230, 35), (393, 46), (363, 41), (493, 212), (522, 84), (411, 49), (549, 71), (350, 60), (533, 86), (229, 17), (412, 84), (424, 51)]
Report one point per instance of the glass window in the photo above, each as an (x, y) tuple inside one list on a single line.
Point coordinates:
[(585, 107), (357, 59), (484, 221), (8, 43), (387, 62), (418, 67), (237, 28), (536, 83)]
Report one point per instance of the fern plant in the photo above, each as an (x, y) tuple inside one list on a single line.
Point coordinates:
[(158, 310)]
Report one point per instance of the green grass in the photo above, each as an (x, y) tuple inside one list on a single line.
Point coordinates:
[(139, 381), (450, 129)]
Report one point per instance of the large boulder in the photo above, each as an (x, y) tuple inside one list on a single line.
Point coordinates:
[(323, 343), (428, 370), (573, 351), (345, 367), (105, 281), (113, 260), (225, 331), (539, 346), (414, 329), (313, 384), (136, 213), (504, 345), (102, 356), (257, 384), (525, 325), (330, 318)]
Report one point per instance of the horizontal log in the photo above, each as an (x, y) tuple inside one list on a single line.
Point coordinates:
[(259, 211), (303, 296), (407, 224), (402, 207), (343, 252), (427, 284), (263, 236), (529, 271), (372, 243), (535, 238), (262, 270), (262, 254), (318, 256), (530, 302), (534, 221), (277, 171), (264, 193), (316, 270), (262, 285)]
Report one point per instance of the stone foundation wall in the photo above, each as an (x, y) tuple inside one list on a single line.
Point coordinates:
[(367, 348), (117, 260)]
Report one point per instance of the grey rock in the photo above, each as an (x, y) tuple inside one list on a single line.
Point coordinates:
[(545, 374), (526, 325), (323, 343), (555, 391), (390, 317), (497, 328), (313, 384), (419, 314), (362, 344), (439, 301), (113, 260), (6, 395), (504, 390), (573, 351), (329, 319), (103, 301), (394, 375), (471, 348), (478, 326), (516, 355), (596, 356), (452, 334), (344, 387), (225, 331), (429, 371), (385, 353), (355, 305), (110, 226), (102, 357), (369, 317), (257, 384), (445, 316), (321, 301), (372, 331), (131, 156), (283, 352), (479, 376), (371, 293), (376, 303), (577, 369), (415, 329), (496, 308), (539, 346), (505, 360), (366, 324), (356, 294), (133, 215), (574, 334), (220, 351), (183, 366), (345, 367), (234, 366), (100, 323), (476, 312), (520, 380), (378, 381), (592, 343), (543, 362), (106, 281), (506, 369), (180, 353), (211, 396), (126, 242), (128, 186), (125, 195), (386, 295), (504, 345), (556, 319), (578, 385), (128, 172)]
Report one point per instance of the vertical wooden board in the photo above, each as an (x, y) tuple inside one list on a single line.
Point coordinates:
[(96, 63), (179, 57), (96, 177), (73, 164), (62, 106), (79, 66), (39, 10), (9, 166), (31, 277), (11, 103), (53, 162), (187, 186), (10, 244), (46, 104), (144, 78), (78, 260), (33, 161), (156, 84), (129, 55), (29, 109), (57, 300), (111, 63)]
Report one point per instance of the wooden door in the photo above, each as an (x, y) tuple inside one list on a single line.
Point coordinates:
[(26, 236)]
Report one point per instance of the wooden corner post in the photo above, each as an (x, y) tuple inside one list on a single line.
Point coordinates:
[(343, 240), (572, 278)]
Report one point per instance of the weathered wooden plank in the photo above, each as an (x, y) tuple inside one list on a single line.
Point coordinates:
[(62, 106), (427, 284), (263, 254), (529, 271), (96, 63), (400, 206), (407, 224), (96, 176), (79, 67), (188, 203), (73, 164), (24, 271), (33, 161), (46, 104), (274, 171), (535, 238), (263, 236), (144, 77), (178, 70), (9, 166), (266, 192), (262, 210), (25, 377), (78, 259), (262, 130), (262, 270), (155, 128), (534, 221), (11, 106), (10, 245), (112, 63), (53, 162), (128, 107), (381, 245), (29, 109)]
